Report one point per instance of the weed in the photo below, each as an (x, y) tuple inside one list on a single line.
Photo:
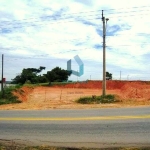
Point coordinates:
[(98, 99), (8, 97)]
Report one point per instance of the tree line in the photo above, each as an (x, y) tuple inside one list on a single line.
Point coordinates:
[(33, 76)]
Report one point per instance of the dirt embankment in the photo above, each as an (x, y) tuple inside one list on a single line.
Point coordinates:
[(131, 93), (128, 89), (110, 84), (23, 93)]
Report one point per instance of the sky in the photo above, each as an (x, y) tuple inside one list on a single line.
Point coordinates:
[(48, 33)]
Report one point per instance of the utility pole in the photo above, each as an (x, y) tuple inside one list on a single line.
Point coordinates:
[(2, 88), (127, 77), (120, 75), (104, 54), (77, 75)]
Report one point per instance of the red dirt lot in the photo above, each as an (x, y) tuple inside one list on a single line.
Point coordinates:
[(130, 93)]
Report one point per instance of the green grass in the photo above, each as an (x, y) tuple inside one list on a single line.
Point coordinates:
[(55, 83), (46, 84), (98, 99), (9, 98)]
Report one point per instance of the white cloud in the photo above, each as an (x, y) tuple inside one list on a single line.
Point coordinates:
[(58, 30)]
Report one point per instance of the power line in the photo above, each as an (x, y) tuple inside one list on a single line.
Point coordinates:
[(37, 25), (127, 12), (130, 15), (43, 55), (48, 19), (135, 7), (128, 34), (64, 15), (80, 49), (50, 43), (76, 17), (66, 21)]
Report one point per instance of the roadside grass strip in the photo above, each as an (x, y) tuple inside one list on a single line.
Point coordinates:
[(75, 118)]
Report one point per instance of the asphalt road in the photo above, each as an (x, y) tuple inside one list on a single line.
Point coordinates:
[(113, 127)]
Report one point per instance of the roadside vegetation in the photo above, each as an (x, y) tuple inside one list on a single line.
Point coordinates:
[(7, 97), (47, 84), (14, 146), (98, 99)]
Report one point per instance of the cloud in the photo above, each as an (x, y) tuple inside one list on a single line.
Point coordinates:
[(87, 2), (97, 46), (49, 32), (112, 30)]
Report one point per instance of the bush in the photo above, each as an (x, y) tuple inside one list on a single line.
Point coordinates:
[(9, 98), (98, 99)]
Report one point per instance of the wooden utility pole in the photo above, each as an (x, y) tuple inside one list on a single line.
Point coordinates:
[(2, 87), (120, 75), (104, 54)]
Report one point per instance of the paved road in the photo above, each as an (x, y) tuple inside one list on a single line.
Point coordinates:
[(88, 127)]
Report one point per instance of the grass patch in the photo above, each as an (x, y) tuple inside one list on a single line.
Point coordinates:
[(9, 98), (12, 145), (55, 84), (31, 85), (20, 147), (46, 84), (98, 99)]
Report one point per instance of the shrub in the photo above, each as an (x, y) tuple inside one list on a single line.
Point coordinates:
[(98, 99), (9, 98)]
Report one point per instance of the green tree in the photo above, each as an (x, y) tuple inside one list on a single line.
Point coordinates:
[(58, 75), (28, 75), (42, 79), (108, 76)]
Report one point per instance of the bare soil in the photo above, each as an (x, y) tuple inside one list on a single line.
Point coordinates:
[(130, 93)]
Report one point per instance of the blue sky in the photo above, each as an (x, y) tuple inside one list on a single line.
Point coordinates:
[(48, 33)]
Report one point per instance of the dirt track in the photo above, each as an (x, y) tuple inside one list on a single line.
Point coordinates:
[(131, 94)]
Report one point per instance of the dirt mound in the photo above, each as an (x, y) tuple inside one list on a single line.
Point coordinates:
[(85, 84), (136, 90), (23, 93), (130, 93), (128, 89), (110, 84)]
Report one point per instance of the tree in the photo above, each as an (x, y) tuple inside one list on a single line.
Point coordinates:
[(58, 75), (29, 74), (41, 68), (108, 76), (42, 79)]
